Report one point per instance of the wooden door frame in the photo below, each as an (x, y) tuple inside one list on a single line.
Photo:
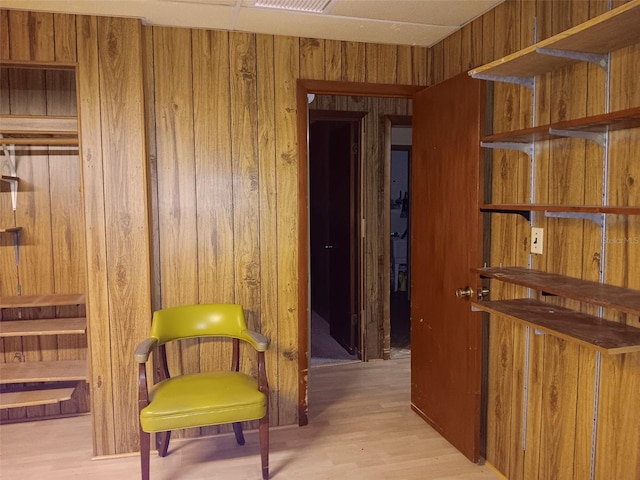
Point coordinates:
[(320, 87)]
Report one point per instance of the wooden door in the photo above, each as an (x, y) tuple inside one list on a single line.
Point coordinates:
[(333, 232), (445, 243)]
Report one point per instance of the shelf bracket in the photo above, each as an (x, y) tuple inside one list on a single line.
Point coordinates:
[(599, 59), (528, 82), (10, 153), (597, 218), (523, 213), (523, 147), (13, 184), (598, 137)]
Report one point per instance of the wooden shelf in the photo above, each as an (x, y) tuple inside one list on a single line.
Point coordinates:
[(620, 120), (53, 300), (608, 337), (48, 326), (619, 298), (38, 130), (610, 31), (46, 371), (29, 398), (37, 65)]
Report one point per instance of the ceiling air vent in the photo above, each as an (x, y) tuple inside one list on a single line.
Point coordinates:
[(310, 6)]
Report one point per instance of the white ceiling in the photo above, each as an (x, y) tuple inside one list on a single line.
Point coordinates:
[(404, 22)]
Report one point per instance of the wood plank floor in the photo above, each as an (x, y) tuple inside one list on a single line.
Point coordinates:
[(361, 427)]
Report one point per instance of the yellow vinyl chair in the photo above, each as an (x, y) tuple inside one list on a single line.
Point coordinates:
[(206, 398)]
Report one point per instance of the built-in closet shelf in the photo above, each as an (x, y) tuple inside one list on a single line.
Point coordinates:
[(30, 398), (589, 41), (38, 130), (45, 371), (589, 127), (587, 330), (625, 300), (44, 326), (52, 300)]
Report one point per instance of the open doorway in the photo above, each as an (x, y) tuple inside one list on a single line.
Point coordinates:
[(334, 201), (400, 226)]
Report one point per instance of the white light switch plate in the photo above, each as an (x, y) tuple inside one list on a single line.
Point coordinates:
[(537, 240)]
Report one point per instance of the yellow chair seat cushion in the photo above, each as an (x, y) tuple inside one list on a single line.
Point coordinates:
[(200, 399)]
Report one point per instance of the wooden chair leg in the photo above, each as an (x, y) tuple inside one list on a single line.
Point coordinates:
[(264, 446), (237, 429), (162, 443), (145, 446)]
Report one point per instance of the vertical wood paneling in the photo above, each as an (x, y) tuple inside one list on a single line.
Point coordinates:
[(559, 388), (533, 437), (67, 220), (268, 212), (98, 330), (126, 215), (177, 204), (381, 63), (453, 54), (34, 215), (404, 73), (243, 138), (618, 437), (332, 60), (214, 179), (312, 58), (214, 183), (246, 185), (499, 392), (286, 66), (353, 62), (566, 171)]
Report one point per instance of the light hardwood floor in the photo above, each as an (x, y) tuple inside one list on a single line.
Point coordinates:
[(361, 427)]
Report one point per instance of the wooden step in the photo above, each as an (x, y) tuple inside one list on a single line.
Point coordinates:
[(44, 326), (52, 300), (46, 371), (30, 398)]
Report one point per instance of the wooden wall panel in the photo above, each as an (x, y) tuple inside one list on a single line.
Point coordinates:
[(286, 69), (214, 173), (98, 328), (312, 58), (177, 195), (126, 215), (268, 323)]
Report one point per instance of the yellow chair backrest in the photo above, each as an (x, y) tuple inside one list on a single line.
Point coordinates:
[(199, 320)]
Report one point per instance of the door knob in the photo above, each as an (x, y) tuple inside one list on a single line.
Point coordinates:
[(465, 292)]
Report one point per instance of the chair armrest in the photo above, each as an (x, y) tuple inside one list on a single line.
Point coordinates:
[(259, 341), (144, 349)]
